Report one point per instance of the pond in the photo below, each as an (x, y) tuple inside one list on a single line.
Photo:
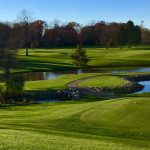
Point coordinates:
[(146, 85), (137, 70), (49, 75), (34, 76)]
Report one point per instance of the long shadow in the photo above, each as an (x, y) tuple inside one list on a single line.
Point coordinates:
[(4, 106), (140, 48), (127, 63), (38, 65)]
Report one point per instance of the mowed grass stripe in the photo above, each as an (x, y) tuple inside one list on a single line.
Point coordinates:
[(53, 59), (77, 125), (104, 81)]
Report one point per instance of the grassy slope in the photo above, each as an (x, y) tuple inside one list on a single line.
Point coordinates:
[(104, 81), (46, 59), (58, 83), (77, 125), (121, 124), (61, 82)]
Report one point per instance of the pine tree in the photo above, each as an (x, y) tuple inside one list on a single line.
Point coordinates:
[(79, 58)]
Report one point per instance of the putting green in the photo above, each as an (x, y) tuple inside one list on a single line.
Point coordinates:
[(104, 81)]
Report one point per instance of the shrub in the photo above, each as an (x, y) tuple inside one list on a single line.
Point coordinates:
[(2, 89), (15, 84)]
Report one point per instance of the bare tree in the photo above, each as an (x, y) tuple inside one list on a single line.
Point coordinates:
[(25, 19), (55, 24)]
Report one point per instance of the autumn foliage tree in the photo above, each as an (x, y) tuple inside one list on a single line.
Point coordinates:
[(61, 36), (39, 34), (145, 36), (37, 30)]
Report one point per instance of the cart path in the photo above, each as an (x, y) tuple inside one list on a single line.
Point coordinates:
[(75, 84), (86, 90)]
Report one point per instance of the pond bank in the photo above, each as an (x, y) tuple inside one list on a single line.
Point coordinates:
[(49, 75), (132, 87), (129, 88)]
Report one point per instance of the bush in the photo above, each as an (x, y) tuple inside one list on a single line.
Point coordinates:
[(2, 88), (15, 84)]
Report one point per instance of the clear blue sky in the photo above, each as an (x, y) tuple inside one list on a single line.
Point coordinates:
[(82, 11)]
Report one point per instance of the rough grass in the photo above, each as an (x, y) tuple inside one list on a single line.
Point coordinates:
[(118, 124)]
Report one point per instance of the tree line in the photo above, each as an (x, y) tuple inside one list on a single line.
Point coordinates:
[(28, 33), (38, 34)]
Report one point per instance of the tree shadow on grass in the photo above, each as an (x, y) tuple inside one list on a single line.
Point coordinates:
[(127, 63), (37, 65), (140, 48)]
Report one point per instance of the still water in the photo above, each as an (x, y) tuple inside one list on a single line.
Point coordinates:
[(146, 85), (137, 70), (34, 76)]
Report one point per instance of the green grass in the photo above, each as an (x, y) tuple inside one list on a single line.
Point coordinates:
[(121, 124), (58, 83), (93, 79), (88, 124), (54, 59), (104, 81)]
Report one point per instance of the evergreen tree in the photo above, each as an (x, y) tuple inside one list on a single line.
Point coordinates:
[(130, 33), (138, 36), (79, 58), (121, 36)]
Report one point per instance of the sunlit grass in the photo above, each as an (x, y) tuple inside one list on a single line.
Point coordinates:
[(104, 81), (121, 124), (58, 83), (54, 59)]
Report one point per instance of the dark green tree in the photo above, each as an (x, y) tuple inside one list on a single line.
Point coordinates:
[(79, 58), (138, 35), (121, 36), (15, 84), (8, 51), (130, 33)]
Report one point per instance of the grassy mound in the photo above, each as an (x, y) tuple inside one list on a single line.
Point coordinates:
[(121, 124), (104, 81), (58, 83)]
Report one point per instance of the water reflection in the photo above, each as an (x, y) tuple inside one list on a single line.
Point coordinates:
[(146, 85), (137, 70), (34, 76)]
